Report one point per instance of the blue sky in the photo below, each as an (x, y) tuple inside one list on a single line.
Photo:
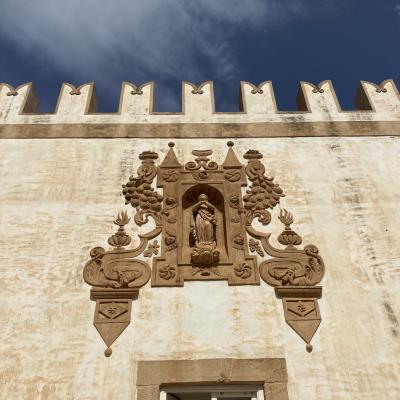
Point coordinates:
[(167, 41)]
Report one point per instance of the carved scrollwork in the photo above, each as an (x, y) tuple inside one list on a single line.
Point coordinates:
[(140, 193), (200, 176), (119, 273), (201, 161), (170, 175), (289, 267), (263, 193), (93, 271), (232, 175), (303, 268)]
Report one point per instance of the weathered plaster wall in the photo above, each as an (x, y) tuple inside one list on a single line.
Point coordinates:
[(58, 198)]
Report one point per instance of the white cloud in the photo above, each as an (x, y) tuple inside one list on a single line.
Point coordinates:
[(158, 38)]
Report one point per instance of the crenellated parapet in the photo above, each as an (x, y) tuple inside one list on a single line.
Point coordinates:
[(318, 112)]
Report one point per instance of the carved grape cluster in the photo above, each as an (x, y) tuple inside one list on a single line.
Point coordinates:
[(262, 194), (142, 196)]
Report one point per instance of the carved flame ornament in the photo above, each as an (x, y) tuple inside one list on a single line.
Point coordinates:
[(206, 233)]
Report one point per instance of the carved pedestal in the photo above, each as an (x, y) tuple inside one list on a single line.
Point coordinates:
[(301, 309)]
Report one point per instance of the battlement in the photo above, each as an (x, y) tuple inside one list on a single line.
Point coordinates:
[(318, 112)]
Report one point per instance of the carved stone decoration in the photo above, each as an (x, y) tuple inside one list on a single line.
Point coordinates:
[(201, 161), (238, 242), (301, 310), (12, 92), (140, 193), (288, 237), (113, 313), (263, 192), (203, 230), (233, 175), (203, 238), (137, 90), (75, 92), (167, 272), (170, 241), (116, 275), (294, 274), (255, 247), (243, 271), (120, 239), (152, 249), (204, 223)]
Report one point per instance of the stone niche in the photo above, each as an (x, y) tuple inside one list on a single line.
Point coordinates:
[(204, 237)]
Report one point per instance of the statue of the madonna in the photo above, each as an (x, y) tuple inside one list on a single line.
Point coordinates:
[(203, 230)]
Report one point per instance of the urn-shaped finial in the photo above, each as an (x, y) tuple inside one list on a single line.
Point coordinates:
[(120, 238), (288, 237)]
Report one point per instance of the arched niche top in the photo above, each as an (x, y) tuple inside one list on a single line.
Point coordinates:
[(191, 196)]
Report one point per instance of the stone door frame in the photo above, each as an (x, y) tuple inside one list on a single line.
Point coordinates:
[(269, 372)]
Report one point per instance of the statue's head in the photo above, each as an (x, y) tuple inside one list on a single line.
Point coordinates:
[(203, 197)]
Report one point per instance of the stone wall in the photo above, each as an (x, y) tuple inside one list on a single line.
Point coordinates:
[(58, 200)]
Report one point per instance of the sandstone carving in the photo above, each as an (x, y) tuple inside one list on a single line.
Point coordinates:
[(255, 247), (140, 193), (117, 274), (263, 192), (167, 272), (201, 230), (152, 249), (294, 274), (204, 223), (120, 239)]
